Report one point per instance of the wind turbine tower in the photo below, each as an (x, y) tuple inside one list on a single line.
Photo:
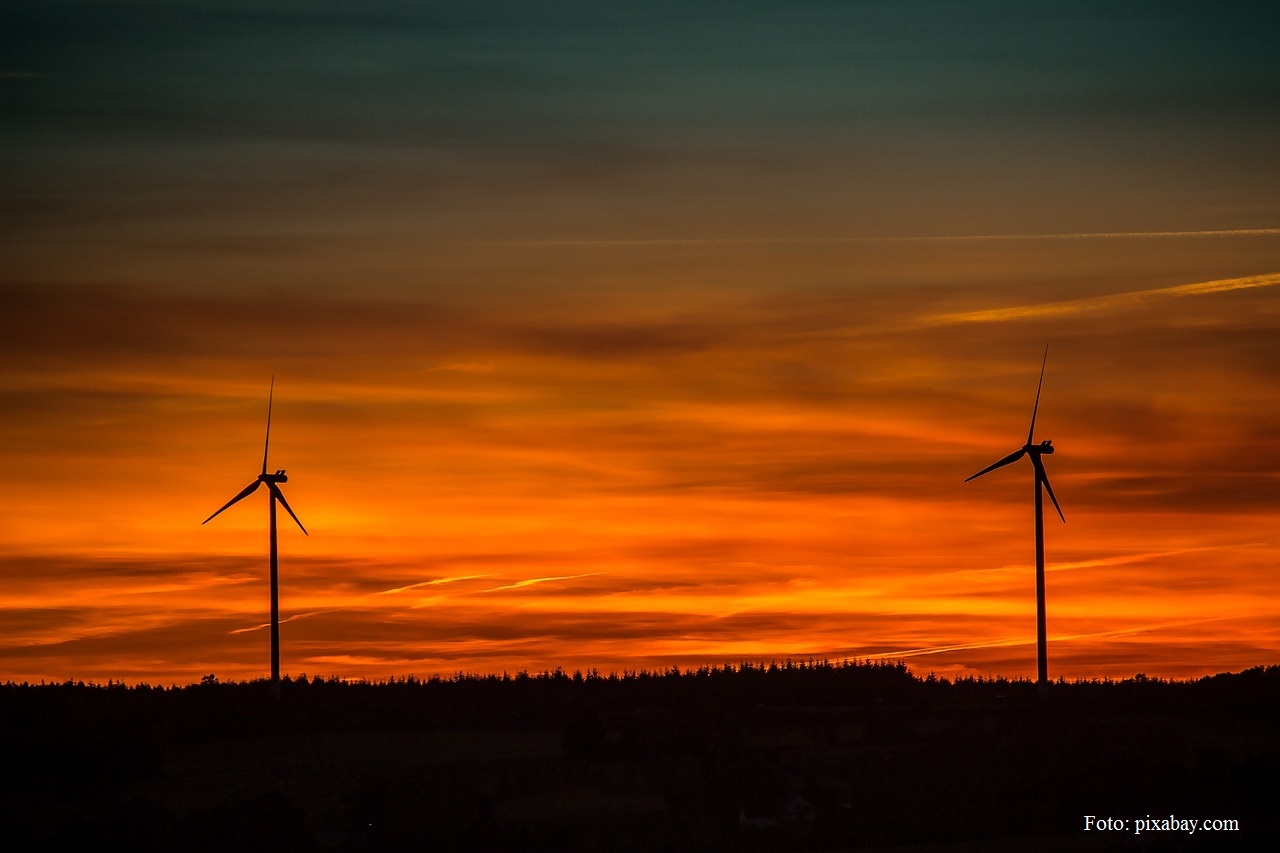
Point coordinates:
[(272, 482), (1034, 452)]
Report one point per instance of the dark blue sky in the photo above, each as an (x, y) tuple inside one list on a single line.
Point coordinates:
[(585, 120)]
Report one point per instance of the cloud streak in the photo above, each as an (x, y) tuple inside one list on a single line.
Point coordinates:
[(264, 625), (1091, 304), (853, 240), (532, 581), (1011, 642), (436, 582)]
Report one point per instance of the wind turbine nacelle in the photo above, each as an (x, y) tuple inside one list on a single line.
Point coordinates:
[(1046, 446), (277, 477)]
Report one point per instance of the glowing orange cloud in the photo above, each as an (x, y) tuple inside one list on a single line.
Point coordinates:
[(1102, 303)]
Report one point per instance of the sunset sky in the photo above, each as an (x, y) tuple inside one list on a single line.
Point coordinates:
[(621, 336)]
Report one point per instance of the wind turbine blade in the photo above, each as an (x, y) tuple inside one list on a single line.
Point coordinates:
[(244, 493), (1044, 478), (279, 495), (266, 444), (1038, 387), (1011, 458)]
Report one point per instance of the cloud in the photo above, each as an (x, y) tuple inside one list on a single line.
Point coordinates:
[(531, 581), (1091, 304), (436, 582), (1008, 642), (937, 238), (268, 624)]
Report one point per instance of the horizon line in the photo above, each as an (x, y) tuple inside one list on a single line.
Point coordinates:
[(869, 661)]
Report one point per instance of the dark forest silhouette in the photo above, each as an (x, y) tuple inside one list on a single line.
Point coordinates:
[(792, 755)]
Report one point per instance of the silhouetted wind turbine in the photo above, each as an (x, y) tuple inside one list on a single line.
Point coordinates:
[(272, 481), (1034, 452)]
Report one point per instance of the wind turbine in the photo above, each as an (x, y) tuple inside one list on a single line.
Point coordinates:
[(272, 481), (1034, 452)]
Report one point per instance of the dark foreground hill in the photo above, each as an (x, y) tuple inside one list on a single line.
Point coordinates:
[(811, 756)]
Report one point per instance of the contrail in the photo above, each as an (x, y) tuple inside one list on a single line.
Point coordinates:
[(1136, 558), (1122, 560), (268, 624), (532, 581), (435, 582), (1022, 641), (941, 238), (1088, 304)]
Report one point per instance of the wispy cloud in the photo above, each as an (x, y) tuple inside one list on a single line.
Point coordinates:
[(1089, 304), (1008, 642), (919, 238), (532, 581), (1100, 562), (436, 582), (268, 624)]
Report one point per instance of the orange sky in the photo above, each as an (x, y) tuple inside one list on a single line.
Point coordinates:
[(627, 351), (693, 475)]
